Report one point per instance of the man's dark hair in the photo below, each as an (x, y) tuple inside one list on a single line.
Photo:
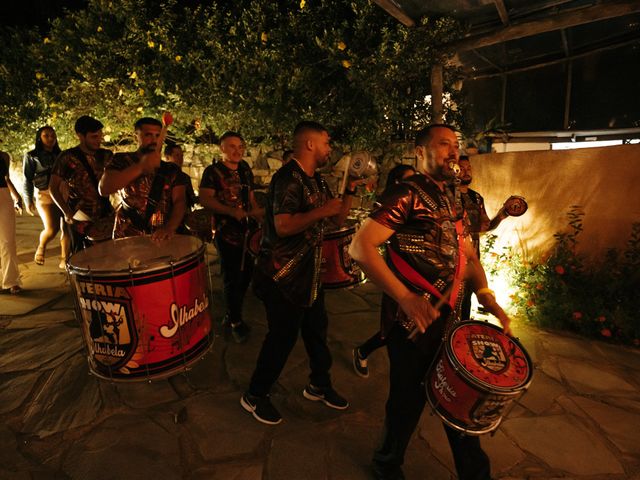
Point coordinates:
[(229, 134), (396, 173), (308, 125), (169, 148), (86, 124), (424, 135), (146, 121)]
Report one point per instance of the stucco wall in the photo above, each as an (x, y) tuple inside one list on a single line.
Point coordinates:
[(604, 181)]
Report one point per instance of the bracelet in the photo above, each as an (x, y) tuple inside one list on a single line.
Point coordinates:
[(486, 290), (349, 192)]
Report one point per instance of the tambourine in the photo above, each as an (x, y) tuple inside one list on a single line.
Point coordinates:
[(515, 206), (362, 165)]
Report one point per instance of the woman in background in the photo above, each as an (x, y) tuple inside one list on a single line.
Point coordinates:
[(9, 273), (37, 171)]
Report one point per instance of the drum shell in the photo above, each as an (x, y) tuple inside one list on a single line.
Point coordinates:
[(465, 402), (149, 322), (338, 268)]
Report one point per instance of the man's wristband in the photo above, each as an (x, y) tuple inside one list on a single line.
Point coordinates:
[(486, 290), (347, 191)]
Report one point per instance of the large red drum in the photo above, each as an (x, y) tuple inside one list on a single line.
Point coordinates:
[(143, 306), (338, 268), (476, 377)]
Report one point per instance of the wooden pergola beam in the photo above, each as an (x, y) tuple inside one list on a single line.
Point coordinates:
[(502, 11), (393, 9), (610, 9)]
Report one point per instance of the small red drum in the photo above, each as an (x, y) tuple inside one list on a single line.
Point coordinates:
[(101, 229), (255, 237), (201, 223), (476, 376), (143, 306), (338, 268), (515, 206)]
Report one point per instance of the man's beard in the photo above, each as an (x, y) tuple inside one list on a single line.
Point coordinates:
[(465, 181), (148, 148)]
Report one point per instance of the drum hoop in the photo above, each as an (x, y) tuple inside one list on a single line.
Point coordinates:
[(142, 268), (475, 382), (340, 233)]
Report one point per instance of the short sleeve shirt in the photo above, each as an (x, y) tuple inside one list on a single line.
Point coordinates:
[(83, 192), (135, 195), (232, 189), (293, 262)]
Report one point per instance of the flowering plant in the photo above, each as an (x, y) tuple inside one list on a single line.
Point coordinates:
[(565, 290)]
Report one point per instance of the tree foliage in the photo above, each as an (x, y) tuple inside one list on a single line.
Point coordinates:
[(249, 65)]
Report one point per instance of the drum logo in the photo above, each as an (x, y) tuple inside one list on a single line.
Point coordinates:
[(441, 383), (488, 352), (108, 320), (183, 315)]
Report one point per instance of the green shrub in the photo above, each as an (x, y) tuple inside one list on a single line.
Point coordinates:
[(565, 290)]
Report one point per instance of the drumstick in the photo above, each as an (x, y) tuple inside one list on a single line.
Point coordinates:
[(441, 301), (344, 179), (167, 119)]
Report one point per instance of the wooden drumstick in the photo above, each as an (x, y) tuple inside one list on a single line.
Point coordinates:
[(344, 179), (167, 119), (441, 301)]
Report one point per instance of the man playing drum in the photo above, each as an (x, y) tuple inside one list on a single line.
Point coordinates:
[(227, 189), (74, 184), (479, 222), (428, 248), (287, 277), (152, 191)]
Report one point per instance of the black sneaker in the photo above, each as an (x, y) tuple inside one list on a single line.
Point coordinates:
[(261, 409), (240, 332), (360, 364), (226, 321), (326, 395)]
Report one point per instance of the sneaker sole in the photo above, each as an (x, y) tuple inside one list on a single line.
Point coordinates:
[(252, 411), (314, 398)]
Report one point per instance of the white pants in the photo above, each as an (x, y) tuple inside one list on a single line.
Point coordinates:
[(9, 273)]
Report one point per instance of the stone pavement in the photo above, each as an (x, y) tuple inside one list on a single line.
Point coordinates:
[(580, 418)]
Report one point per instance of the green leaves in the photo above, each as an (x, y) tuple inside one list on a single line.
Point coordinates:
[(250, 65)]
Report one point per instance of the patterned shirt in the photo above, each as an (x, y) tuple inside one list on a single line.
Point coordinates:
[(132, 211), (424, 219), (473, 204), (232, 188), (83, 191), (294, 262)]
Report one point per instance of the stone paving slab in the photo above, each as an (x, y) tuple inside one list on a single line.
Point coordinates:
[(563, 443)]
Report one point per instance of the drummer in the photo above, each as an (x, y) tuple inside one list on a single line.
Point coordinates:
[(74, 182), (428, 243), (479, 222), (227, 189), (152, 192), (173, 153), (287, 277)]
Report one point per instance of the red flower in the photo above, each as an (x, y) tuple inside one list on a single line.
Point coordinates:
[(539, 287), (530, 303), (577, 315), (605, 332), (602, 319), (559, 269)]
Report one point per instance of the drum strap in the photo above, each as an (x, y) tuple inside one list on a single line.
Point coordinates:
[(139, 221), (416, 279)]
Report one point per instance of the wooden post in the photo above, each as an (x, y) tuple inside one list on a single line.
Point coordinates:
[(436, 94)]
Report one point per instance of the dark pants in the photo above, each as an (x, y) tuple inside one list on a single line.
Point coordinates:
[(371, 345), (235, 281), (407, 397), (285, 320), (78, 241)]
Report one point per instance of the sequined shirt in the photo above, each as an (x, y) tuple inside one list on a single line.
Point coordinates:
[(134, 196), (294, 262)]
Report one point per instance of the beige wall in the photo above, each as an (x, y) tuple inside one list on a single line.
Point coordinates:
[(604, 181)]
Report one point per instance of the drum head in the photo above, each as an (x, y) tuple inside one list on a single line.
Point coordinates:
[(488, 357), (134, 254)]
